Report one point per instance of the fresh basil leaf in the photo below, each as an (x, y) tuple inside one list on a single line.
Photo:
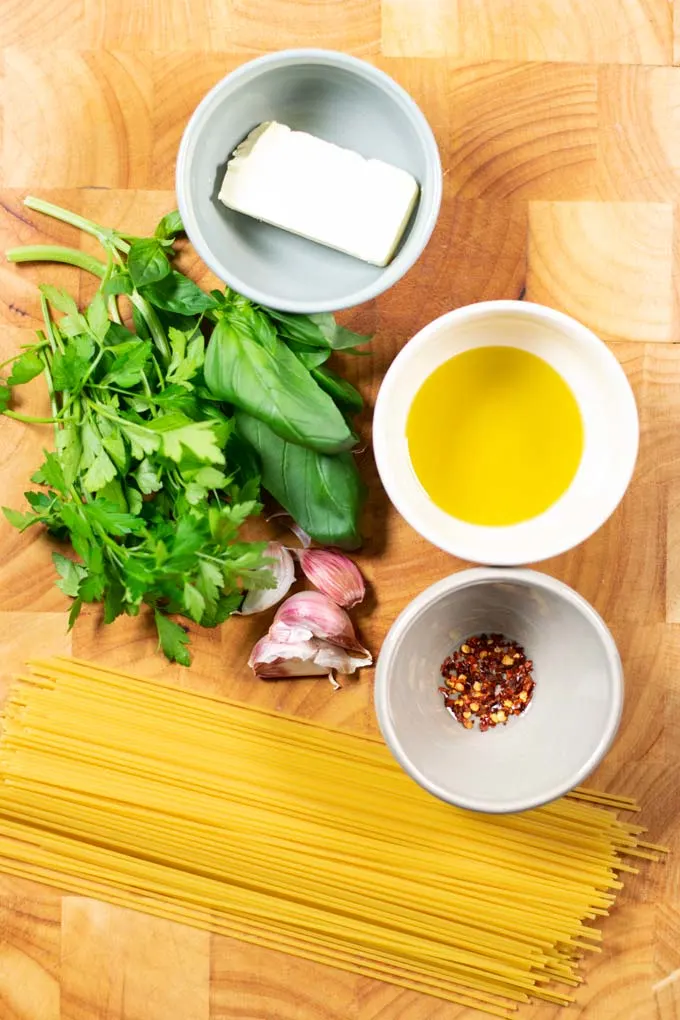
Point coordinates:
[(319, 330), (177, 293), (25, 368), (343, 393), (147, 262), (243, 463), (118, 283), (170, 225), (70, 574), (300, 328), (253, 323), (338, 337), (173, 639), (324, 494), (5, 396), (273, 387), (310, 357)]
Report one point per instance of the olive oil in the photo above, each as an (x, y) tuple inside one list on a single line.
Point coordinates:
[(495, 436)]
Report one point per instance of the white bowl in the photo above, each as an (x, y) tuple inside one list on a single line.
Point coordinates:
[(604, 396), (572, 717)]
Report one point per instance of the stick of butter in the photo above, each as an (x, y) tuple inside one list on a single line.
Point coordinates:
[(320, 191)]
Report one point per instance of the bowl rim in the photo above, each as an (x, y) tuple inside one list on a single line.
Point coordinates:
[(430, 188), (468, 578), (515, 553)]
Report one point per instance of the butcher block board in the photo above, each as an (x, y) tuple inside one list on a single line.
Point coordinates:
[(559, 128)]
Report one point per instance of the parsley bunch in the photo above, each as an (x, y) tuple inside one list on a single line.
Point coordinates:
[(164, 431), (147, 481)]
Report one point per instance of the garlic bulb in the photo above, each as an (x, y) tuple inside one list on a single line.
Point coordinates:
[(334, 574), (271, 659), (283, 569), (309, 614)]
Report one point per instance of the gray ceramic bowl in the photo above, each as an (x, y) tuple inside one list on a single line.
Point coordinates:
[(542, 754), (340, 99)]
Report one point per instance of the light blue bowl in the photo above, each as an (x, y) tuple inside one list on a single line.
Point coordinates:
[(338, 98)]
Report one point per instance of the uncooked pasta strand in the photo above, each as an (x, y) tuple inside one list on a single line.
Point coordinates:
[(299, 837)]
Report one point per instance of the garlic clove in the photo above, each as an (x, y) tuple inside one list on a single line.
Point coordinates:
[(340, 659), (271, 659), (310, 611), (283, 569), (334, 574)]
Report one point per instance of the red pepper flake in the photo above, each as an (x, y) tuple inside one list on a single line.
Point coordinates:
[(502, 684)]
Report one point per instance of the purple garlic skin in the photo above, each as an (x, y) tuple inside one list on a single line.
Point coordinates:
[(334, 574), (309, 614), (271, 659)]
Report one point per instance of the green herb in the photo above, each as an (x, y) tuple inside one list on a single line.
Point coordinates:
[(323, 494), (273, 385), (147, 262), (138, 481), (150, 480)]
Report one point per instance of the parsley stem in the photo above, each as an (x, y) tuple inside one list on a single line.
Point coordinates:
[(29, 420), (106, 413), (154, 324), (57, 253), (54, 339), (104, 236)]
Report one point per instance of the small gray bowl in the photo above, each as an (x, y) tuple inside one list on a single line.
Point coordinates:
[(540, 755), (340, 99)]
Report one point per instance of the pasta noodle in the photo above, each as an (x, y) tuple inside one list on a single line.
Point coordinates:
[(299, 837)]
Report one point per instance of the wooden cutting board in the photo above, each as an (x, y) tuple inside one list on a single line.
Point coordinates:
[(559, 128)]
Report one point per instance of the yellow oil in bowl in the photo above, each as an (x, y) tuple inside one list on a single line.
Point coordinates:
[(495, 436)]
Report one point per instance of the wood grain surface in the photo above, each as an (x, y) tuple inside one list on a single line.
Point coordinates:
[(559, 128)]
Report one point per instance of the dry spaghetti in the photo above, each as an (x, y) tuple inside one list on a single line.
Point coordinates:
[(299, 837)]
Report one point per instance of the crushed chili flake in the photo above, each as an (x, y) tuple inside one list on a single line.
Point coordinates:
[(487, 680)]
